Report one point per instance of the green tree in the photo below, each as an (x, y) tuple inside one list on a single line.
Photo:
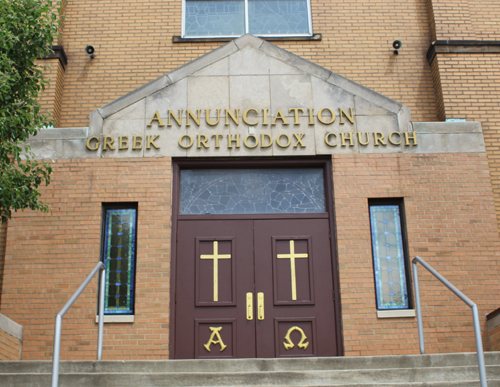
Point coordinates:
[(27, 32)]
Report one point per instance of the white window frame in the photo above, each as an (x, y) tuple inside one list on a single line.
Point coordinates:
[(309, 17)]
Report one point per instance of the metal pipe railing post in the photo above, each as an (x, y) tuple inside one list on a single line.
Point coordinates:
[(58, 324), (479, 347), (102, 290), (464, 298), (419, 310), (55, 353)]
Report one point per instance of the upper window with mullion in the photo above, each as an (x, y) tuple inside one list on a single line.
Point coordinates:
[(232, 18)]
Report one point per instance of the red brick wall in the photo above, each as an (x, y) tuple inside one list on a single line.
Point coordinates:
[(49, 255), (451, 224), (450, 219), (10, 347)]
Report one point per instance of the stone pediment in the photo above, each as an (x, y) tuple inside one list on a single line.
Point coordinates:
[(252, 98)]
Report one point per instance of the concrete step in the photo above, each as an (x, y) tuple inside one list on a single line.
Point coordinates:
[(255, 365), (457, 370)]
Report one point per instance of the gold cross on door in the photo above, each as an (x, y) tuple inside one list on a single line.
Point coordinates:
[(216, 256), (292, 256)]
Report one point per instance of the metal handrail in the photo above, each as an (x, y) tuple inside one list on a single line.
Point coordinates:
[(464, 298), (62, 312)]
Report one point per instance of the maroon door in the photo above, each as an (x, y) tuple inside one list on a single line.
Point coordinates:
[(254, 288)]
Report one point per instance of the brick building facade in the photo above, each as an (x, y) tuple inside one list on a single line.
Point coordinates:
[(443, 176)]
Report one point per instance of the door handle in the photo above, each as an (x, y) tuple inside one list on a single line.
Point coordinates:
[(260, 306), (249, 306)]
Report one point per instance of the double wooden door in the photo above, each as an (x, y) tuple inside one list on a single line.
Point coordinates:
[(254, 288)]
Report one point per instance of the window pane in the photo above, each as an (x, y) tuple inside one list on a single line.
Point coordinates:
[(119, 258), (215, 18), (278, 17), (252, 191), (388, 256)]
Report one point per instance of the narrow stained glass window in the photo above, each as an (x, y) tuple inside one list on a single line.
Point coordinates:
[(119, 259), (388, 257)]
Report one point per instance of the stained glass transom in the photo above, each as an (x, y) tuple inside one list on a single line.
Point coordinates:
[(252, 191), (119, 258), (215, 18), (278, 17), (388, 256)]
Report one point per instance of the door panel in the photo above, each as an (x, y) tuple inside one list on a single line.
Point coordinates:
[(208, 299), (293, 268)]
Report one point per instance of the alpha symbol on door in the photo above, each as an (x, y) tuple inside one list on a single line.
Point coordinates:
[(216, 256), (215, 332), (288, 342), (292, 256)]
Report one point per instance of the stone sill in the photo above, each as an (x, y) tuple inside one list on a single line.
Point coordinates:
[(116, 319), (396, 313), (313, 37)]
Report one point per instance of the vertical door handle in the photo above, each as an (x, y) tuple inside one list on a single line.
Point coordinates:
[(260, 305), (249, 306)]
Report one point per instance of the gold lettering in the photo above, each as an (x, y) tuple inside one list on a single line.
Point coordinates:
[(264, 115), (349, 117), (287, 139), (96, 144), (207, 117), (215, 332), (251, 146), (296, 113), (360, 135), (320, 116), (217, 138), (379, 137), (108, 141), (311, 116), (236, 119), (327, 139), (392, 141), (171, 115), (280, 116), (190, 114), (230, 140), (123, 141), (288, 344), (245, 117), (156, 118), (202, 142), (190, 139), (412, 137), (152, 142), (292, 256), (299, 138), (137, 143), (349, 138), (263, 144)]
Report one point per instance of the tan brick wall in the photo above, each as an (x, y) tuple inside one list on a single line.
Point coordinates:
[(49, 255), (451, 19), (10, 347), (464, 19), (450, 223), (450, 219), (495, 339), (51, 97), (470, 85), (133, 42)]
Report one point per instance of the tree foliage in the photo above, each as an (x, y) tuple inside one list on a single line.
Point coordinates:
[(27, 32)]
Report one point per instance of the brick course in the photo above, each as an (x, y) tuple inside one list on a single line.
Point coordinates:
[(10, 347)]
